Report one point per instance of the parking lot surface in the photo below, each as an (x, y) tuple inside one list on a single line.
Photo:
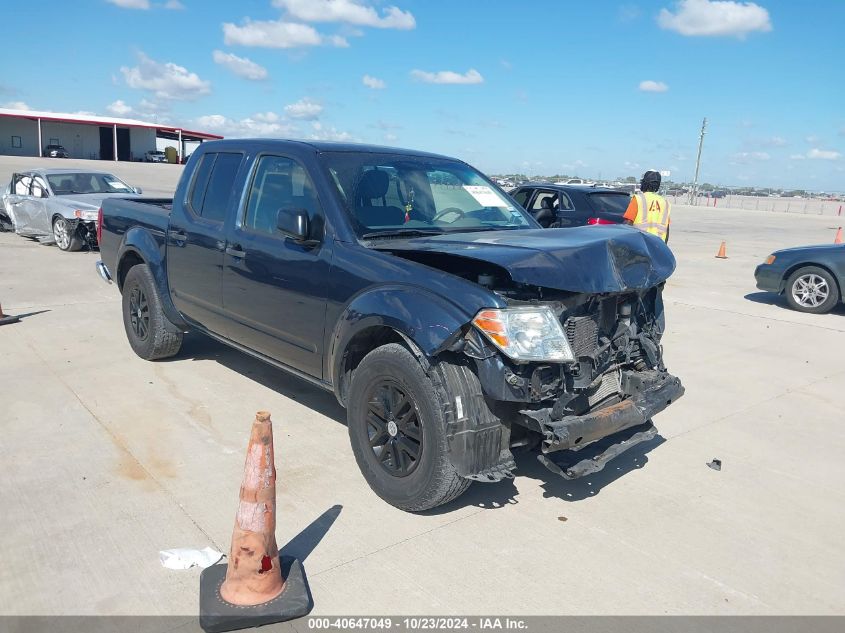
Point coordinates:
[(108, 459)]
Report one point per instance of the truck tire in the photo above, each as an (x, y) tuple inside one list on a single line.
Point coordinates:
[(65, 235), (812, 289), (397, 427), (150, 334)]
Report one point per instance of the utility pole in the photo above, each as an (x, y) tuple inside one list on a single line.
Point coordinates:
[(694, 192)]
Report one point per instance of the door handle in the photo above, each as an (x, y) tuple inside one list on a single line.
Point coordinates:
[(179, 236), (235, 251)]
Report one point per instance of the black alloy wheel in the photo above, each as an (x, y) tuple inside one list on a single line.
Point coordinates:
[(139, 313), (393, 428)]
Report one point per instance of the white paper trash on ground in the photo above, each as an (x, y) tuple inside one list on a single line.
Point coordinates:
[(185, 558)]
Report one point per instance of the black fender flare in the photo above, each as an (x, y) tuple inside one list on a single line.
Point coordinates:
[(140, 242)]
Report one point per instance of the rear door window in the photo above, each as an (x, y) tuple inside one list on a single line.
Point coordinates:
[(522, 196), (213, 185), (609, 202)]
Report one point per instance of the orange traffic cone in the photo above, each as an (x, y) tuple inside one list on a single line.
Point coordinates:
[(838, 238), (722, 254), (5, 319), (259, 587)]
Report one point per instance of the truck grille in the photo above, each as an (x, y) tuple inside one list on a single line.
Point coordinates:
[(582, 333)]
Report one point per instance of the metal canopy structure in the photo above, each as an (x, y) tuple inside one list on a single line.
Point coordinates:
[(169, 132)]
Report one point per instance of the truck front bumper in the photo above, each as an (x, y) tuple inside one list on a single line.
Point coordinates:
[(594, 438)]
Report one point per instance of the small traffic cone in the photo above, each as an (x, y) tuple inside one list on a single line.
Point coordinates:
[(257, 586), (5, 319), (838, 238), (722, 254)]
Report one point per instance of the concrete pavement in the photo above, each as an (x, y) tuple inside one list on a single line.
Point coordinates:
[(108, 459)]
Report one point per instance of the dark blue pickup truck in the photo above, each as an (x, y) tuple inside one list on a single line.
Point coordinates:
[(451, 327)]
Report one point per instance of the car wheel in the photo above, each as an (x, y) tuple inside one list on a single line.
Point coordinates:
[(812, 289), (398, 432), (150, 334), (65, 235)]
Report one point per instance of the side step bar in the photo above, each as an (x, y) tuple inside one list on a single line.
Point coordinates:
[(593, 457)]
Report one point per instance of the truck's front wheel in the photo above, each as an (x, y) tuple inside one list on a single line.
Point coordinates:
[(149, 332), (397, 432)]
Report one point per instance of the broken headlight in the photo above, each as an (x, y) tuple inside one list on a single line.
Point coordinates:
[(526, 334)]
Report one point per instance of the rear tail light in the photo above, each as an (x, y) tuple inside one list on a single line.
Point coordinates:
[(600, 221), (100, 225)]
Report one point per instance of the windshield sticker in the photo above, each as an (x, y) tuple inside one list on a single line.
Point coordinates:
[(485, 196), (117, 184)]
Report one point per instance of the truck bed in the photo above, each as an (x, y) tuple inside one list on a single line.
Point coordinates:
[(121, 215)]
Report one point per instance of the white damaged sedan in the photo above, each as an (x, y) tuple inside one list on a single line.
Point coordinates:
[(60, 205)]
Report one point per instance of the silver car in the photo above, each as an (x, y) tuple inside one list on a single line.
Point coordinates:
[(60, 205)]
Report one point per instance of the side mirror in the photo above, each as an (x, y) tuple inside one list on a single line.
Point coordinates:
[(137, 190), (44, 193), (294, 223)]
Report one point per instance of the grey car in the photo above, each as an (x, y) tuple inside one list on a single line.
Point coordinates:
[(60, 205)]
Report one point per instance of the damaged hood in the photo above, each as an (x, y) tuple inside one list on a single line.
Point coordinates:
[(584, 259), (91, 200)]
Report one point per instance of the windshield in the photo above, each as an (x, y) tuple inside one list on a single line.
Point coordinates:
[(393, 193), (86, 182)]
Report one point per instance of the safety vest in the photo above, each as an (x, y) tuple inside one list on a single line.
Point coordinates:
[(652, 214)]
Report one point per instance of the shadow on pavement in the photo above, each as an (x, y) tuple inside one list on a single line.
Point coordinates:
[(301, 545), (8, 319), (779, 301), (504, 493), (199, 347)]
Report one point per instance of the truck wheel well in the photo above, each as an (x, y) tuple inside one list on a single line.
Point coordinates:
[(362, 344), (129, 260)]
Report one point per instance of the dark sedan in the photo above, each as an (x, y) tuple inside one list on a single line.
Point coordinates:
[(811, 277), (572, 205), (55, 151)]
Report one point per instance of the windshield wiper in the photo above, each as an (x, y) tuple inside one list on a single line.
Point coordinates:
[(401, 233)]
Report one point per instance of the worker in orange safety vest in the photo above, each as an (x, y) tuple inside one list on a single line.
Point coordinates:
[(648, 210)]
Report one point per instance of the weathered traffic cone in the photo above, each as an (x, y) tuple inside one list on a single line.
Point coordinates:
[(838, 238), (257, 586), (5, 319), (722, 254)]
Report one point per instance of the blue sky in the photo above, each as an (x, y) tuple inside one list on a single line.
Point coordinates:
[(537, 87)]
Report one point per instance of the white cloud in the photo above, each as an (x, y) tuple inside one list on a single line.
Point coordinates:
[(743, 158), (304, 109), (714, 18), (322, 133), (131, 4), (390, 138), (119, 108), (823, 154), (241, 66), (17, 105), (260, 124), (348, 11), (797, 157), (165, 80), (471, 76), (373, 82), (276, 34), (174, 5), (653, 86)]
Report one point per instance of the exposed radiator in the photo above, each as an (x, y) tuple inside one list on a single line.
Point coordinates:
[(582, 333)]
